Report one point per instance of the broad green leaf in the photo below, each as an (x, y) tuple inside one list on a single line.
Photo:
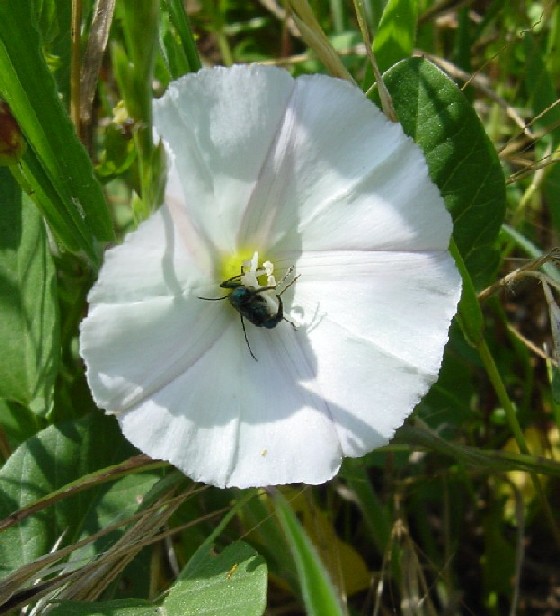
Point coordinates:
[(106, 505), (319, 595), (57, 167), (199, 558), (394, 39), (461, 159), (55, 457), (28, 303), (232, 582), (444, 408), (19, 422), (469, 312)]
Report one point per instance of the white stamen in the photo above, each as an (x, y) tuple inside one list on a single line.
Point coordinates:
[(251, 264), (252, 272), (249, 279)]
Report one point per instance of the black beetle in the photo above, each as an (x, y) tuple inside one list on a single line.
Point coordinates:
[(253, 306)]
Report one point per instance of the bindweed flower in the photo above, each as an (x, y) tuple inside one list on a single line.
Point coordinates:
[(289, 302)]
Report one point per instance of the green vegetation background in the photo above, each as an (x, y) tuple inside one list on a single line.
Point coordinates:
[(459, 514)]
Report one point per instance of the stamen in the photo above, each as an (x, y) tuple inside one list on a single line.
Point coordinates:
[(251, 272), (252, 263)]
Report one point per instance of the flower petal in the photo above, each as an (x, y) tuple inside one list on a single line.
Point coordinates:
[(245, 424), (132, 350), (146, 323), (339, 175), (400, 302), (378, 328), (156, 260), (219, 124)]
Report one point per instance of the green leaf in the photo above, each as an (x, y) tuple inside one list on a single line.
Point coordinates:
[(461, 159), (29, 327), (553, 44), (18, 422), (107, 504), (469, 313), (443, 408), (319, 595), (53, 458), (232, 582), (119, 153), (394, 39), (187, 48), (56, 167), (554, 317), (267, 537)]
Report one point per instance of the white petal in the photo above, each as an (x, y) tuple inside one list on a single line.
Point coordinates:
[(132, 350), (240, 422), (377, 326), (219, 124), (341, 176), (146, 323), (402, 303), (159, 259)]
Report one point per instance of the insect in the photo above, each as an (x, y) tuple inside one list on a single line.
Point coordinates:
[(233, 569), (252, 305)]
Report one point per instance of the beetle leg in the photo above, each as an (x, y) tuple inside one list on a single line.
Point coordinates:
[(280, 312), (291, 281), (247, 339)]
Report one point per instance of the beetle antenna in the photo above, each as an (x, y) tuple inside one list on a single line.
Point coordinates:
[(213, 299)]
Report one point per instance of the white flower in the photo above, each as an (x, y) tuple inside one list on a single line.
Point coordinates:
[(269, 173)]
